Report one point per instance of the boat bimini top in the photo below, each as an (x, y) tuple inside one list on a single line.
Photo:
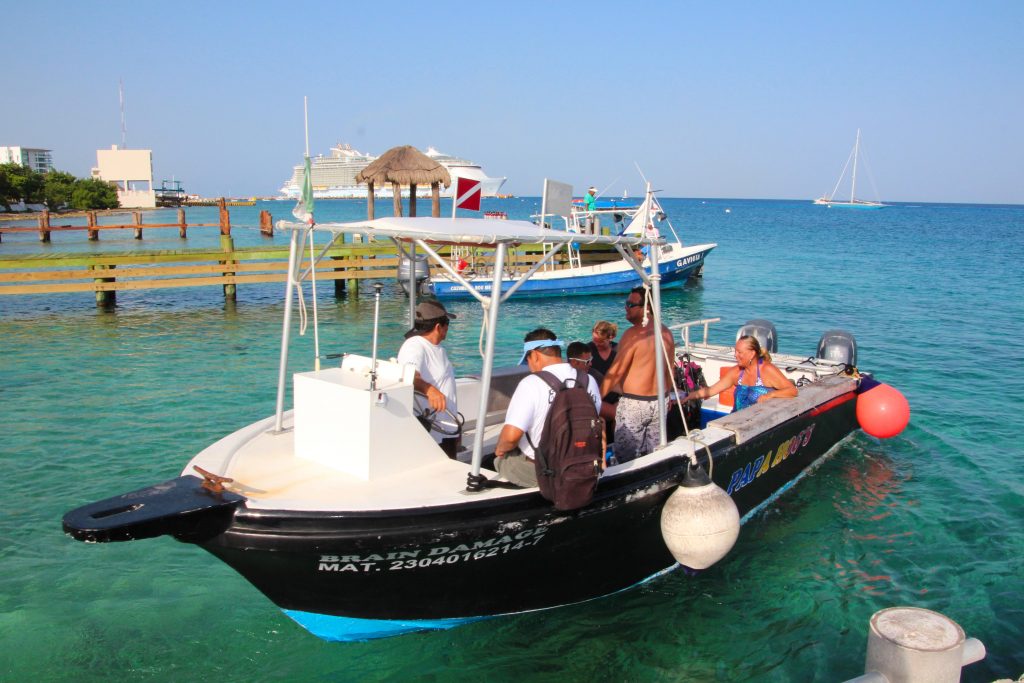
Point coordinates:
[(428, 233)]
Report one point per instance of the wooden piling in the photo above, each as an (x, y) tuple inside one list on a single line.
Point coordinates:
[(44, 227), (138, 224), (105, 298), (266, 224), (94, 234), (369, 201), (339, 284), (228, 245), (182, 227), (435, 200), (412, 200), (225, 217), (396, 195)]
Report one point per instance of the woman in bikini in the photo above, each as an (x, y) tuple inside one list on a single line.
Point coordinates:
[(755, 377)]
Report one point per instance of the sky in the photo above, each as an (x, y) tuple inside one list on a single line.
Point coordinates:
[(729, 99)]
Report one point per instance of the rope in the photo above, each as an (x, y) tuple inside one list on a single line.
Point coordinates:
[(696, 436)]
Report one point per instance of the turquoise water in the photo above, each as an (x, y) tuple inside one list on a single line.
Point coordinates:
[(95, 404)]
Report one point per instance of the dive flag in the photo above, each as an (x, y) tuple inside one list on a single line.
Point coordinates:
[(467, 194), (303, 210)]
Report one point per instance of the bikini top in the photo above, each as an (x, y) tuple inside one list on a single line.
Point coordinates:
[(746, 396)]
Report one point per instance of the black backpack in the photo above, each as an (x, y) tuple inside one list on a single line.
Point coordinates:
[(568, 458)]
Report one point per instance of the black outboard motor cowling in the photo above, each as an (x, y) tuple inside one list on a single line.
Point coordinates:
[(839, 346), (763, 331)]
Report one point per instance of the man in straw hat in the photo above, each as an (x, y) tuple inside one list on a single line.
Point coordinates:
[(435, 376)]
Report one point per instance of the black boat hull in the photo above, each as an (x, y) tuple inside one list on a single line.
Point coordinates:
[(505, 555)]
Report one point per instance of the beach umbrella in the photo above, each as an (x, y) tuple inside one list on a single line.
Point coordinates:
[(401, 166)]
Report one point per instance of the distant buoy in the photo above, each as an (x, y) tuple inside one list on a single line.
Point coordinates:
[(882, 411), (700, 522)]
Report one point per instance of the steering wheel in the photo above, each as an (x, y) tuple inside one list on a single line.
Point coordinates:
[(444, 422)]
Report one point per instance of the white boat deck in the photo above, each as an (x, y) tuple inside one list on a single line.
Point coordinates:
[(356, 454), (265, 470)]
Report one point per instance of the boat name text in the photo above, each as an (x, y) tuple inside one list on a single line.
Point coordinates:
[(755, 469), (435, 555)]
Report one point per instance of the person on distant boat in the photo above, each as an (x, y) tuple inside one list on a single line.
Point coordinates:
[(633, 375), (528, 409), (435, 376), (755, 377), (590, 204)]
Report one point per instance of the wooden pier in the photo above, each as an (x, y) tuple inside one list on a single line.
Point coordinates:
[(228, 267), (93, 228)]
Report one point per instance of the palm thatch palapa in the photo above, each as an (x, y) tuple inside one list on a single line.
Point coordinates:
[(400, 166)]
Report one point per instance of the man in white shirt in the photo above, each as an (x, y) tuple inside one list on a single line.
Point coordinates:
[(435, 376), (529, 407)]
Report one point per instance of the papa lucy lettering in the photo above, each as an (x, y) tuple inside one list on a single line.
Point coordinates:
[(772, 458)]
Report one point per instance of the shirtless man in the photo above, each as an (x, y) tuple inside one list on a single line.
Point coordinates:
[(637, 418)]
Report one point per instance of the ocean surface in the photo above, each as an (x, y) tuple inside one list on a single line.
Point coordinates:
[(98, 403)]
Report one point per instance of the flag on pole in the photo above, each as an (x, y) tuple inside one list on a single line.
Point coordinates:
[(467, 194), (303, 210)]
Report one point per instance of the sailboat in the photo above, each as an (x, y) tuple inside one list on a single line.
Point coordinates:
[(854, 203)]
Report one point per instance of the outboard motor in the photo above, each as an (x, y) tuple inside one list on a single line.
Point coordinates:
[(763, 331), (422, 270), (839, 346)]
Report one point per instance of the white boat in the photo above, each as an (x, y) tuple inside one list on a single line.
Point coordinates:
[(346, 514), (854, 203), (334, 176), (676, 262)]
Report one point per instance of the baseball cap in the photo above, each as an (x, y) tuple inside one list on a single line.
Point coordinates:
[(430, 310)]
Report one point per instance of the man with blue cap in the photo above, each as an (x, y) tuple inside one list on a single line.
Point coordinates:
[(528, 409)]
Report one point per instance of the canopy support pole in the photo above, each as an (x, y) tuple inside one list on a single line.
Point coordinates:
[(654, 282), (293, 254), (488, 364), (412, 269)]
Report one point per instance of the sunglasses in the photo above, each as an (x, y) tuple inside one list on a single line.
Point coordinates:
[(630, 305), (587, 361)]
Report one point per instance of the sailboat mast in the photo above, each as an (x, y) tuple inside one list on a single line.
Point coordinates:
[(856, 153)]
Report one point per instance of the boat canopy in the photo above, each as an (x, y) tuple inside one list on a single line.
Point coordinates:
[(465, 231)]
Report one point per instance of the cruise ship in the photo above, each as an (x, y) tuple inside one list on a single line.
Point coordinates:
[(334, 176)]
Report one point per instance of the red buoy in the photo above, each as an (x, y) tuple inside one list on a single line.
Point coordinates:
[(882, 411)]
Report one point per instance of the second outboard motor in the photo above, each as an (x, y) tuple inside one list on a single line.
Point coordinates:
[(763, 331), (839, 346)]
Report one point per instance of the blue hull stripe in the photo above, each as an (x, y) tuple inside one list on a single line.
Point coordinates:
[(349, 629)]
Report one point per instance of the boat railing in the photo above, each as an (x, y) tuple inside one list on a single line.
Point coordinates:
[(684, 329)]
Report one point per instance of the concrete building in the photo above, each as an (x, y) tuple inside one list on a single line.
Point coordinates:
[(38, 160), (132, 171)]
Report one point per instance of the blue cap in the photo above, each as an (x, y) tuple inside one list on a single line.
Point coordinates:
[(539, 344)]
